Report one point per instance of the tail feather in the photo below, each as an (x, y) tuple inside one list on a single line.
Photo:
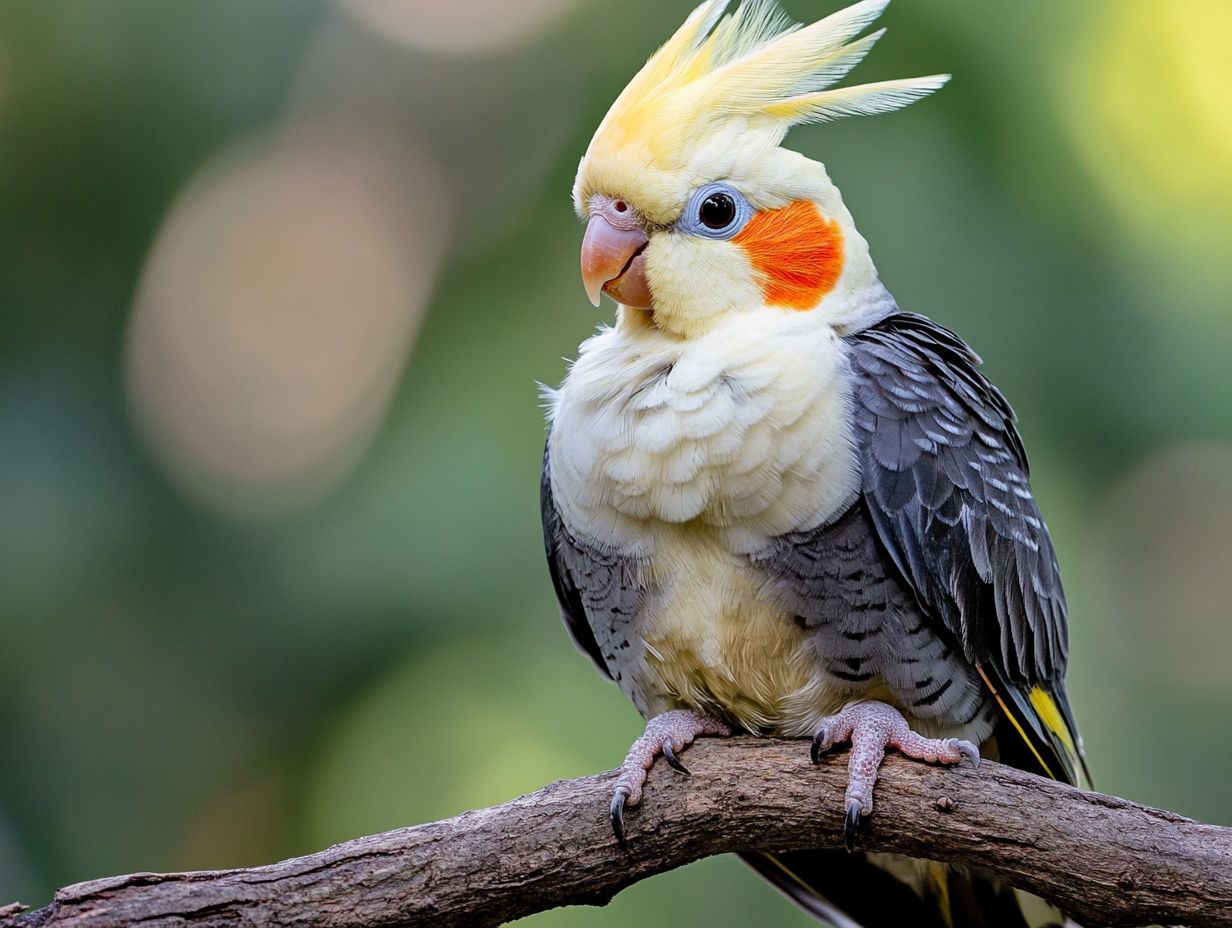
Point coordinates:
[(862, 891), (979, 901), (780, 874)]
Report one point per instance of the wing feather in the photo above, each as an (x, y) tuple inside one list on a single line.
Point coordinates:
[(947, 486), (564, 560)]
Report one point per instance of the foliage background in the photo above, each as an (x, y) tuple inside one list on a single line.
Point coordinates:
[(276, 284)]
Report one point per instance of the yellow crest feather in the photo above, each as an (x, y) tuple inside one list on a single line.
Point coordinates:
[(757, 64)]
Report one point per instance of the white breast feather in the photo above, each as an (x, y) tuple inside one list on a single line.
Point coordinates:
[(745, 430), (691, 455)]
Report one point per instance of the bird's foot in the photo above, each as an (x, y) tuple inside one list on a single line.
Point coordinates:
[(667, 734), (871, 727)]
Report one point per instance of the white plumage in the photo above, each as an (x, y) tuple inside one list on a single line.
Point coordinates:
[(690, 455)]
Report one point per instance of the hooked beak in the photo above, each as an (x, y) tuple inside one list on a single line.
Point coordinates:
[(613, 261)]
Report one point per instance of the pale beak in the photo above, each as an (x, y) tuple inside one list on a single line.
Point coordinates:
[(613, 262)]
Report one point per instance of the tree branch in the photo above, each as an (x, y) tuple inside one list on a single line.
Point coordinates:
[(1103, 860)]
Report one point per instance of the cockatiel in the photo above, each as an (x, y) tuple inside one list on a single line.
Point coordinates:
[(773, 502)]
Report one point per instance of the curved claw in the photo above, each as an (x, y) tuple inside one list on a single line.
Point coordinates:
[(617, 810), (666, 734), (970, 753), (820, 746), (673, 761), (851, 823)]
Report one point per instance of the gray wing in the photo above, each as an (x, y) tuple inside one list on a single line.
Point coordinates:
[(945, 481), (598, 591)]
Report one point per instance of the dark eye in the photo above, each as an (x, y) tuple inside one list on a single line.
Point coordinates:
[(717, 211)]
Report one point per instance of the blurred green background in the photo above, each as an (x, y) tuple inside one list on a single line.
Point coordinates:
[(277, 281)]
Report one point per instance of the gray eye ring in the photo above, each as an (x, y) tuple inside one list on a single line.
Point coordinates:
[(713, 199)]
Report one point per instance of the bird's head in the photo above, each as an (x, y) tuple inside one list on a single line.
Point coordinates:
[(693, 210)]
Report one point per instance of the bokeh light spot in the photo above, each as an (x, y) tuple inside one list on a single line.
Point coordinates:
[(276, 311), (460, 26), (1146, 100), (1161, 557)]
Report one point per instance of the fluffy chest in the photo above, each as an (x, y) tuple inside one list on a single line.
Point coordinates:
[(689, 457), (744, 431), (714, 641)]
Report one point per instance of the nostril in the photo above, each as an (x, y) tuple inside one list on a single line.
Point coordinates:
[(620, 206)]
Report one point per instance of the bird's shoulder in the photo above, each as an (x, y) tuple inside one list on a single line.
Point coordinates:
[(946, 479)]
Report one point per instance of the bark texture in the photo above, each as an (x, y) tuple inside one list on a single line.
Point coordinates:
[(1104, 860)]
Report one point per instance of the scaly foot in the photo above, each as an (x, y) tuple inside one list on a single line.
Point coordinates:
[(665, 734), (871, 727)]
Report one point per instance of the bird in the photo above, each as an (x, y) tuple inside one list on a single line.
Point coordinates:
[(774, 502)]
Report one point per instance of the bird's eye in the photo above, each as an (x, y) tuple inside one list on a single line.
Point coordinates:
[(716, 210)]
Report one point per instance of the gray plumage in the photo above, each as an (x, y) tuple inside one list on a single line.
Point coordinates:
[(865, 624), (945, 481), (599, 594)]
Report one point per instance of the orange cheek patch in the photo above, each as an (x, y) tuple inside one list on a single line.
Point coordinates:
[(796, 253)]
